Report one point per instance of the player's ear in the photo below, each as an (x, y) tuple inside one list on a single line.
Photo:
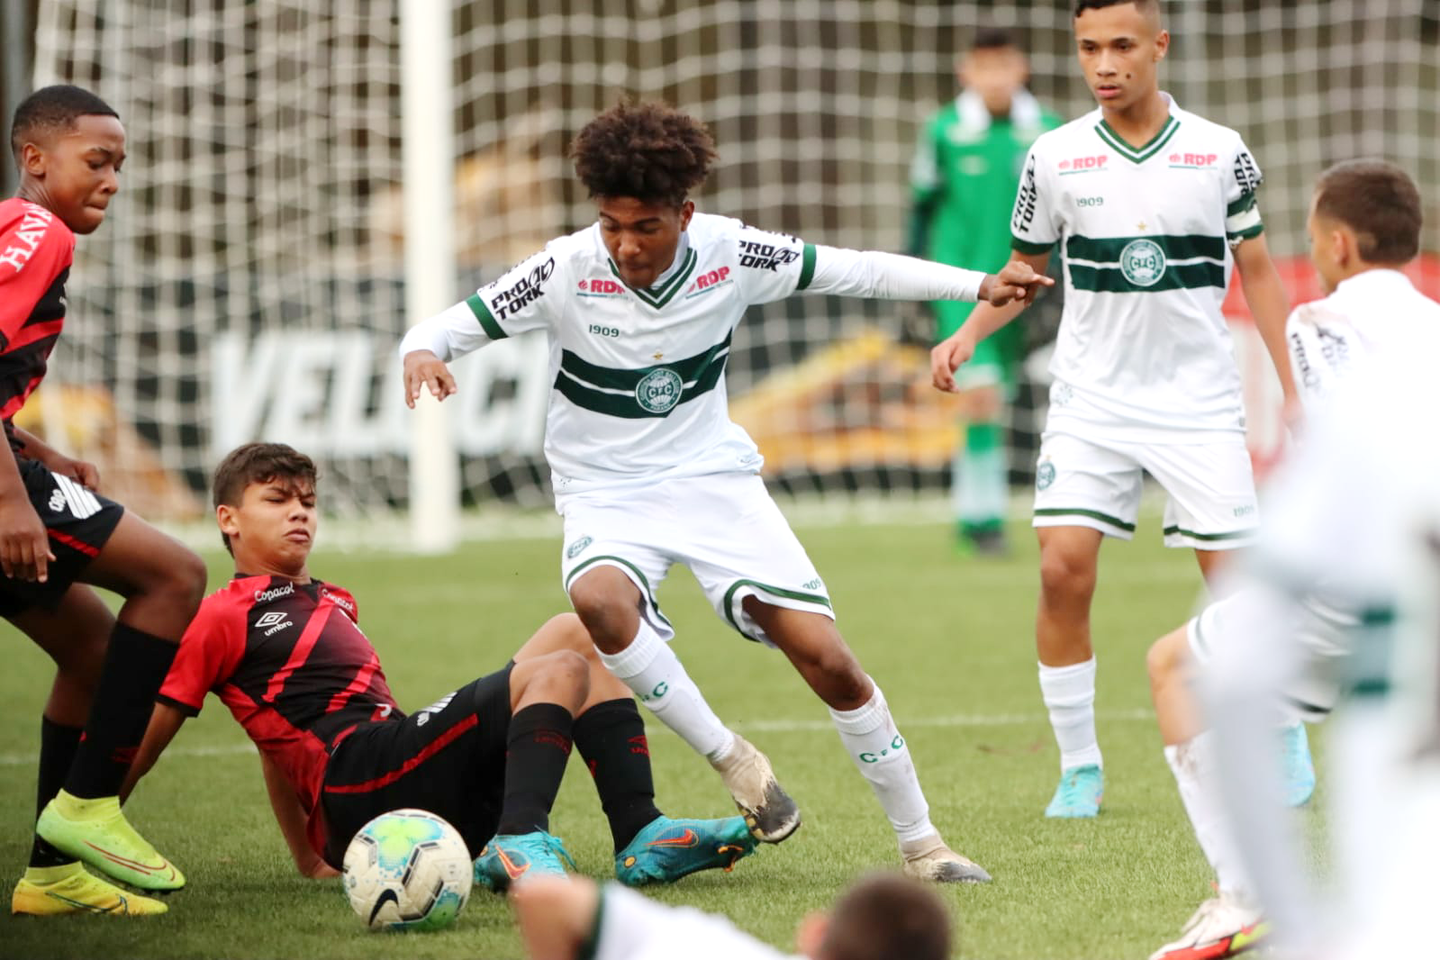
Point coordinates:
[(1162, 45), (687, 210), (225, 520), (32, 159)]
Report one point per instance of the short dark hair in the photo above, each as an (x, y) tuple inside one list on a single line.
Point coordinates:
[(259, 463), (1377, 200), (1144, 6), (51, 110), (649, 151), (887, 917), (994, 38)]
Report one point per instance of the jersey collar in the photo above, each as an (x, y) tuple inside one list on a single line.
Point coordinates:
[(663, 290), (1138, 155)]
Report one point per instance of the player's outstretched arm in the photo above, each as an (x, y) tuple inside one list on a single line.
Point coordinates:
[(1014, 290), (291, 817), (424, 370), (165, 722), (1269, 305)]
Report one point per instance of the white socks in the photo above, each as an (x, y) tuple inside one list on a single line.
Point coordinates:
[(652, 671), (877, 748), (1069, 694), (1193, 764)]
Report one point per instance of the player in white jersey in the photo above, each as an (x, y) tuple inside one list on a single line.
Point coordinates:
[(1151, 207), (1364, 227), (881, 917), (648, 469)]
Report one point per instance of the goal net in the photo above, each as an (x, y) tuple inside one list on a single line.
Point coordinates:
[(248, 283)]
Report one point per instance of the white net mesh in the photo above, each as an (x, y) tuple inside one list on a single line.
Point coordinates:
[(248, 282)]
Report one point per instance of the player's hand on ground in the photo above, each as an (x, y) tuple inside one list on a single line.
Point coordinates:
[(947, 357), (24, 544), (1017, 281), (425, 370)]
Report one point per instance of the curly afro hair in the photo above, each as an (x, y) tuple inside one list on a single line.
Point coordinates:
[(649, 151)]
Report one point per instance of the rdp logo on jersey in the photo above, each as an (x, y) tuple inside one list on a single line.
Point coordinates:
[(659, 390), (1142, 262), (1196, 160), (601, 288), (1081, 164)]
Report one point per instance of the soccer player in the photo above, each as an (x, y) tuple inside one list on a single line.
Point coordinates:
[(1364, 226), (1151, 207), (649, 470), (285, 653), (963, 181), (881, 917), (59, 537)]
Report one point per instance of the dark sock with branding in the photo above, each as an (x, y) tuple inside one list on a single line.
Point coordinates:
[(536, 751), (58, 744), (135, 667), (611, 738)]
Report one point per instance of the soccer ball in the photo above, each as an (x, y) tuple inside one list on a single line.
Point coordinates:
[(408, 870)]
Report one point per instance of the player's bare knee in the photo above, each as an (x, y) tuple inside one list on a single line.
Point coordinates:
[(1065, 575), (182, 582), (569, 672), (1168, 657)]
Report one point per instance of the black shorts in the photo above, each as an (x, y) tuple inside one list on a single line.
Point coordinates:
[(79, 521), (448, 758)]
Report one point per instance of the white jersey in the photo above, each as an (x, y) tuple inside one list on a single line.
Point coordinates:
[(1369, 313), (629, 926), (638, 375), (1146, 233)]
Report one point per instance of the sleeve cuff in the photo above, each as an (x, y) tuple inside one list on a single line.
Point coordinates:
[(1026, 247), (185, 708)]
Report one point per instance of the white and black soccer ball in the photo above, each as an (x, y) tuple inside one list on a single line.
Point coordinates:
[(408, 870)]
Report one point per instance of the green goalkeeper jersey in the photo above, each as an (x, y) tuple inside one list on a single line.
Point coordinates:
[(963, 181)]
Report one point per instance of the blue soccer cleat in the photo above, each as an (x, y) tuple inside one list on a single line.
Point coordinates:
[(1297, 767), (509, 859), (666, 850), (1078, 794)]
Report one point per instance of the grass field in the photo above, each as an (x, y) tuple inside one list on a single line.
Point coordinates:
[(950, 641)]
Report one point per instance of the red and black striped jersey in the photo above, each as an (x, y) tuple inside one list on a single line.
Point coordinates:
[(36, 250), (290, 662)]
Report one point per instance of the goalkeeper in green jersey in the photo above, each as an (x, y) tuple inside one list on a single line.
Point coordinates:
[(964, 178)]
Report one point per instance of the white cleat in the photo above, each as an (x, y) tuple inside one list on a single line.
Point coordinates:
[(931, 860), (1223, 927), (769, 812)]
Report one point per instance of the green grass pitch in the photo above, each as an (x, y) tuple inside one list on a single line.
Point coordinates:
[(949, 640)]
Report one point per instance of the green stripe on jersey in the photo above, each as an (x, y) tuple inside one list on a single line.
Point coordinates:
[(649, 392), (1185, 276), (1138, 154), (1175, 247), (807, 266), (1246, 202), (482, 313)]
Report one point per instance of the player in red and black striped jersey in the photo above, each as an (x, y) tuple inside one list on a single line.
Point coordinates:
[(58, 536), (285, 653)]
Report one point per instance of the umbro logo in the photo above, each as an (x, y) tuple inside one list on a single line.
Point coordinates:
[(275, 621), (270, 619)]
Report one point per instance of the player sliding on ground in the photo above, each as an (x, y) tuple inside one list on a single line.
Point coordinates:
[(284, 652), (1364, 226), (59, 537), (649, 470), (1151, 206)]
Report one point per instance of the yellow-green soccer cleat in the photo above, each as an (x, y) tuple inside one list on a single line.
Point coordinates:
[(97, 833), (666, 850), (68, 889)]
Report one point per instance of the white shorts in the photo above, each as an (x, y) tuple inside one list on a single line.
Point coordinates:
[(1317, 633), (1211, 501), (724, 527)]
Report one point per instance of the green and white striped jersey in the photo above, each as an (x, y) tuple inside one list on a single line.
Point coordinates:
[(1146, 233), (639, 375)]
